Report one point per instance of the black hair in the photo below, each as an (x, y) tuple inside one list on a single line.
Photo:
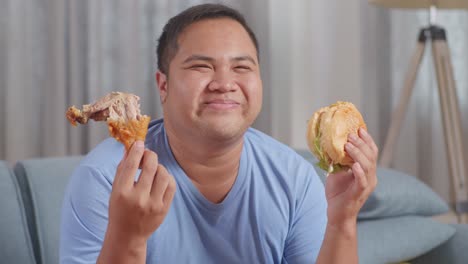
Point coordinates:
[(167, 43)]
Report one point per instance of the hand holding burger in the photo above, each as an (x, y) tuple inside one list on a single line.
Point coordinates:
[(338, 137), (327, 134)]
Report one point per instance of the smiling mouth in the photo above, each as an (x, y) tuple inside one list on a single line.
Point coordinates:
[(222, 104)]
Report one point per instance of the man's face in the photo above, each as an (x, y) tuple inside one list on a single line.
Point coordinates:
[(214, 88)]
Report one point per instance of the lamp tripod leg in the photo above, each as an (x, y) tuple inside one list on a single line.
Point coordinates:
[(399, 112), (451, 124)]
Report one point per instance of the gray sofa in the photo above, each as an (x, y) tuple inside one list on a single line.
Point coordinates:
[(31, 194), (30, 200)]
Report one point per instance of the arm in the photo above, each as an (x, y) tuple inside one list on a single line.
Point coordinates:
[(346, 193), (339, 245), (116, 250), (95, 228), (136, 210)]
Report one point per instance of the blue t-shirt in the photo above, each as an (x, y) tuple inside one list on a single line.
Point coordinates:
[(274, 213)]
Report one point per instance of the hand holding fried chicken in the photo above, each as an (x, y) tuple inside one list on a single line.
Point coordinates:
[(121, 111)]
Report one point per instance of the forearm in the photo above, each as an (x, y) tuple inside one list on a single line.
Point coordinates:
[(339, 245), (115, 251)]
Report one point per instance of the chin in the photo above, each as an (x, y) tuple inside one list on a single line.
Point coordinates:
[(223, 133), (224, 130)]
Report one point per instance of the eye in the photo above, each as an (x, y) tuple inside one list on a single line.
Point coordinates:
[(242, 68), (200, 66)]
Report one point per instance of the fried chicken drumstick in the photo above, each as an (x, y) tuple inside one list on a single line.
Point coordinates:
[(121, 111)]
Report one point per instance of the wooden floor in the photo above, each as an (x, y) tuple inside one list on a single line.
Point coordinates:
[(451, 218)]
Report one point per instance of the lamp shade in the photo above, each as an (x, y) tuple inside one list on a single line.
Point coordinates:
[(443, 4)]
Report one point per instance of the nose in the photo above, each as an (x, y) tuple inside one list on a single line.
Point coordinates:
[(222, 82)]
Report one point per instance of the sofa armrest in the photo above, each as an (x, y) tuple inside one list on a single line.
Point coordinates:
[(43, 182), (15, 243)]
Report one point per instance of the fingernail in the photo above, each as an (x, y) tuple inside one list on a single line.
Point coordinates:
[(363, 131), (352, 137), (348, 145), (139, 144)]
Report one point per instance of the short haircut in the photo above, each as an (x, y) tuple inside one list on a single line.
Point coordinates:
[(167, 43)]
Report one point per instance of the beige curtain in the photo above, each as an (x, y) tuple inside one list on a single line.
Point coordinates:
[(61, 53), (57, 53), (324, 51)]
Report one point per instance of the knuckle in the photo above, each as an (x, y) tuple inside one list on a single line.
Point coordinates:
[(172, 183), (360, 142), (162, 173), (364, 169), (171, 187), (121, 196), (128, 166), (362, 199), (149, 165), (156, 157), (156, 208), (151, 156), (140, 203), (162, 169), (350, 148), (364, 184)]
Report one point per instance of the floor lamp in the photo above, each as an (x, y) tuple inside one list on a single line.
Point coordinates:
[(447, 94)]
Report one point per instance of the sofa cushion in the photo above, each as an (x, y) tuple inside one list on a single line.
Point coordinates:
[(396, 194), (15, 245), (454, 251), (399, 194), (43, 183), (397, 239)]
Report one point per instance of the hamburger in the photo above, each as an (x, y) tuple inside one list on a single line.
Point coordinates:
[(327, 134)]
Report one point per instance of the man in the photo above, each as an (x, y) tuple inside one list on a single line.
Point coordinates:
[(211, 189)]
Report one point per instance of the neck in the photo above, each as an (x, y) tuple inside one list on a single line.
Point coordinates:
[(211, 166)]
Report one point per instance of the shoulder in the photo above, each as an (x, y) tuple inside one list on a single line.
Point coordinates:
[(104, 158), (90, 184)]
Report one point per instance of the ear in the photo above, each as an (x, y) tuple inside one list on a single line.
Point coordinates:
[(161, 80)]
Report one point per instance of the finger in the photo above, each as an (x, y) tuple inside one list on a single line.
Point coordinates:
[(372, 179), (128, 167), (149, 165), (341, 177), (361, 181), (369, 140), (170, 191), (358, 156), (160, 183), (337, 183), (362, 145)]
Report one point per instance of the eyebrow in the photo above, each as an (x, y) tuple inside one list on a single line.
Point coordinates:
[(245, 58), (198, 57), (210, 59)]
